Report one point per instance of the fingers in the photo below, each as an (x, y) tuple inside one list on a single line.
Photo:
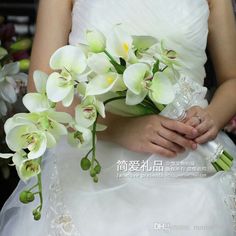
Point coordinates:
[(157, 139), (176, 138), (210, 134), (161, 150), (179, 127)]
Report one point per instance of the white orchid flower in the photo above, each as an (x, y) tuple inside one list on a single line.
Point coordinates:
[(96, 41), (81, 138), (48, 122), (26, 168), (166, 56), (119, 44), (71, 61), (86, 112), (85, 115), (137, 79), (141, 83), (9, 74), (27, 137), (101, 84), (99, 63)]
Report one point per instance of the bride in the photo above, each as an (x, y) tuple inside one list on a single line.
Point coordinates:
[(186, 196)]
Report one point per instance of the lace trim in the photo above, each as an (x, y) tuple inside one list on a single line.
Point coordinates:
[(230, 199), (58, 216)]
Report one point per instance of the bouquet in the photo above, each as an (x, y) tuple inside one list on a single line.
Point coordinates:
[(127, 75)]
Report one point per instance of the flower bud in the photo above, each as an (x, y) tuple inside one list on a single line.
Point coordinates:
[(30, 197), (95, 179), (23, 197), (85, 163), (97, 168), (37, 215), (92, 173), (96, 41)]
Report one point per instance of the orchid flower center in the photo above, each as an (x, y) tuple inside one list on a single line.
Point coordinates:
[(89, 112), (126, 47)]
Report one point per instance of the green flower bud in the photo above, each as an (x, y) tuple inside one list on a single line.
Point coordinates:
[(23, 197), (95, 179), (97, 168), (37, 215), (85, 163), (92, 173), (96, 41), (30, 197)]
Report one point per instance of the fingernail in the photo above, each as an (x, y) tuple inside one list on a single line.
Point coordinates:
[(194, 132), (194, 146)]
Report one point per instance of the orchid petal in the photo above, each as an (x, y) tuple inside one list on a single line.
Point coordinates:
[(69, 57), (57, 130), (100, 108), (40, 149), (67, 101), (119, 43), (99, 63), (133, 77), (100, 127), (51, 141), (80, 139), (85, 116), (101, 84), (162, 91), (28, 169), (7, 92), (6, 155), (134, 99), (40, 81), (36, 102), (57, 88), (15, 137), (11, 68), (142, 43), (61, 117)]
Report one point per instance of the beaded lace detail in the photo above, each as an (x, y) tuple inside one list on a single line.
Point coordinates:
[(229, 180), (61, 223)]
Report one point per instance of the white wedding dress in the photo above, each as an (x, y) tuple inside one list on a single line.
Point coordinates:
[(182, 196)]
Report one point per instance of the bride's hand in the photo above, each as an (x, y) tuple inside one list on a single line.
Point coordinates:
[(203, 121), (153, 134)]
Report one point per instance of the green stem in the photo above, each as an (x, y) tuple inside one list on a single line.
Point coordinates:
[(149, 102), (94, 144), (89, 152), (113, 99), (29, 190), (40, 190)]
